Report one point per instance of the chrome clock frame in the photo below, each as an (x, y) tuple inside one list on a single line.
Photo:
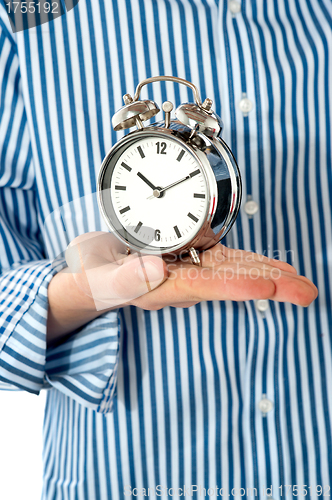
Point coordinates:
[(214, 158)]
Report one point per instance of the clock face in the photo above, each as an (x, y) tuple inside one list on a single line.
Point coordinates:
[(158, 192)]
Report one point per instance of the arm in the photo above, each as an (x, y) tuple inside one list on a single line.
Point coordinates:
[(84, 373), (100, 278), (24, 272)]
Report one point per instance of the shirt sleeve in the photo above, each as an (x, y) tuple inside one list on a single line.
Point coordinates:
[(84, 367)]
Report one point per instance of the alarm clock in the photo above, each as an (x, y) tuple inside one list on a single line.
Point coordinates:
[(172, 187)]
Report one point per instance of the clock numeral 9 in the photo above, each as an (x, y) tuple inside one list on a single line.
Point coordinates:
[(157, 235), (161, 147)]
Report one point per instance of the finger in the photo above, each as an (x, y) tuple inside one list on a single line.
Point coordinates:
[(81, 253), (184, 305), (119, 284), (288, 287), (99, 243), (274, 274), (111, 282), (299, 291), (194, 284), (219, 253), (263, 270)]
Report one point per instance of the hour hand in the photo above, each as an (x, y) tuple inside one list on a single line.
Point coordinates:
[(141, 176)]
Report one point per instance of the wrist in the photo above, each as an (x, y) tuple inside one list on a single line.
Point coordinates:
[(69, 306)]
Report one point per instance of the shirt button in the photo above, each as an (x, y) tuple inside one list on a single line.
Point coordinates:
[(265, 405), (245, 105), (234, 6), (251, 207), (262, 305)]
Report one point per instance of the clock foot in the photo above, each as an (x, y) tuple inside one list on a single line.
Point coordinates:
[(194, 256), (127, 251)]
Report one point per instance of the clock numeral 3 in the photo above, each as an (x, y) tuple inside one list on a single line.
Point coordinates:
[(157, 235), (161, 148)]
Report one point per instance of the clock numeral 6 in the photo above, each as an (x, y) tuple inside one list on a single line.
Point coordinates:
[(157, 235), (161, 147)]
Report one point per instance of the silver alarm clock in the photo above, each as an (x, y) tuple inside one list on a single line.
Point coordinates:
[(172, 187)]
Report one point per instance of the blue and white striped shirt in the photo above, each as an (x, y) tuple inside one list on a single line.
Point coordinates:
[(220, 395)]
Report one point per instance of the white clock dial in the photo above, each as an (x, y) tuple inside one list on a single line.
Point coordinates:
[(159, 192)]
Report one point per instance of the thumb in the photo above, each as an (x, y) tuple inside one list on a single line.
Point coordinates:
[(120, 284)]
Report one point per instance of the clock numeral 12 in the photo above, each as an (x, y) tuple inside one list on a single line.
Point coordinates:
[(161, 147)]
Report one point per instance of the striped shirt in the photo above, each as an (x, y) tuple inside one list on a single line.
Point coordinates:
[(221, 395)]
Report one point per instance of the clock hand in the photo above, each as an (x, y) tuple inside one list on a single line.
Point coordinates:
[(157, 192), (141, 176)]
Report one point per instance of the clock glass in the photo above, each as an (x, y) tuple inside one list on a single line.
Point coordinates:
[(158, 192)]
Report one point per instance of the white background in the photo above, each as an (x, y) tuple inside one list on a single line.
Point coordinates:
[(21, 426)]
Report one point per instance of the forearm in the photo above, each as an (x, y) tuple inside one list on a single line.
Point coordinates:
[(69, 307)]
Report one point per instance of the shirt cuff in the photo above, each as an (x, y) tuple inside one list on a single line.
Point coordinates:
[(83, 367)]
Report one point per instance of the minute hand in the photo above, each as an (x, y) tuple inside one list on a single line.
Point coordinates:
[(158, 192)]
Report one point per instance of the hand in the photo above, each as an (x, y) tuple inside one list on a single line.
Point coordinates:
[(158, 191), (103, 271), (114, 279), (141, 176), (228, 274), (100, 276)]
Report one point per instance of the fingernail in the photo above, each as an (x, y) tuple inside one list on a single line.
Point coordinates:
[(151, 272)]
